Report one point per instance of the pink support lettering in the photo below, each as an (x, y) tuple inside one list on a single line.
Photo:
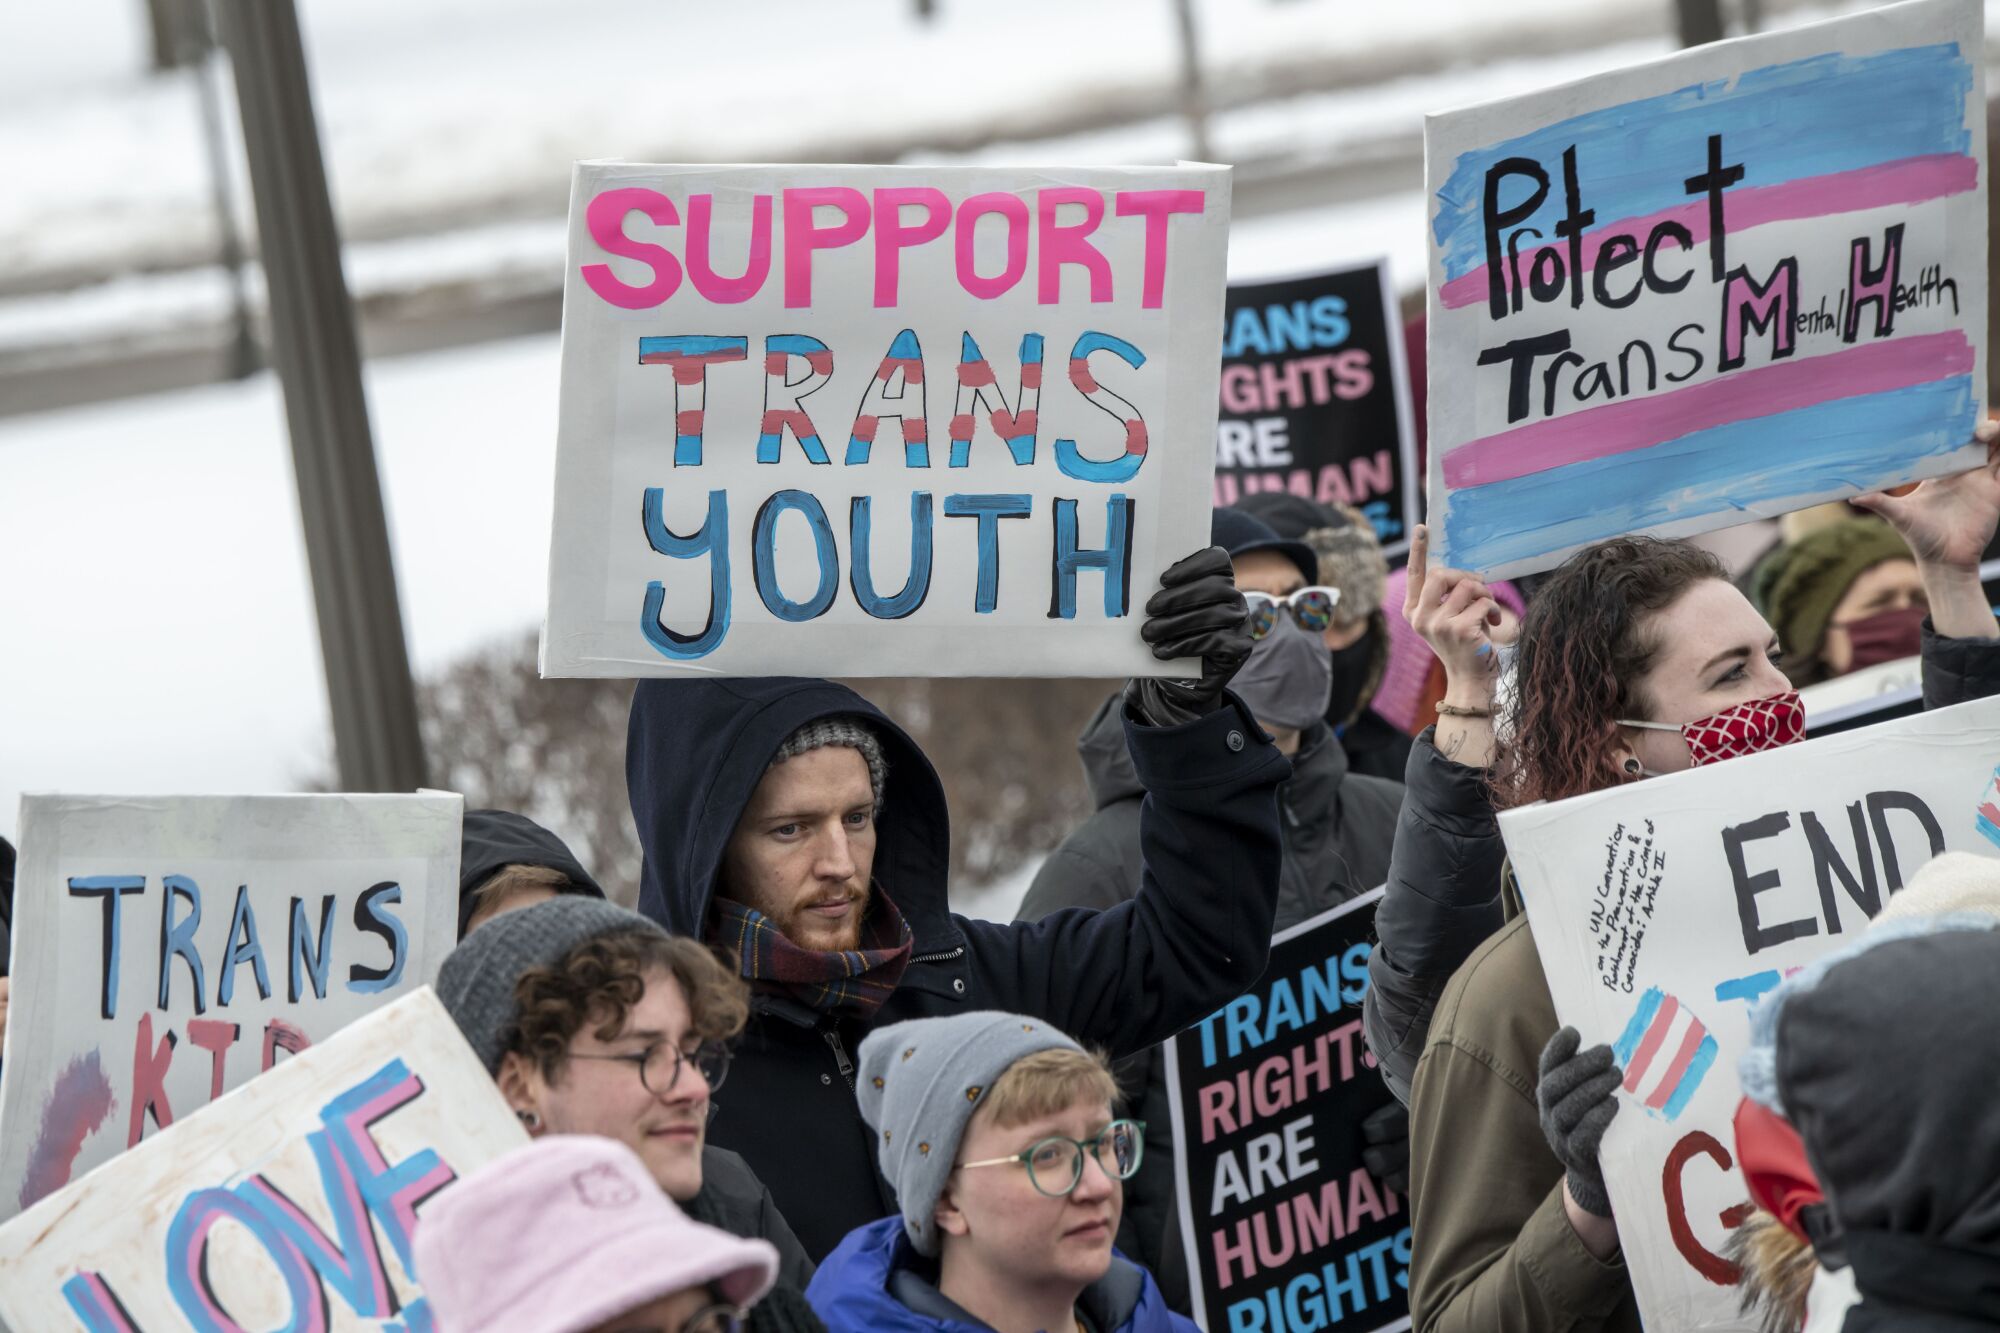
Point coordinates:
[(1014, 212), (605, 220), (1157, 207), (803, 235), (1059, 245), (893, 236), (756, 263)]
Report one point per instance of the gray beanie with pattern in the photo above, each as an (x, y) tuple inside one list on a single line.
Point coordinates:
[(844, 730), (477, 980), (921, 1080)]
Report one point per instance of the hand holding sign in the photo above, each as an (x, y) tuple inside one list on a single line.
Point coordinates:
[(1455, 613), (1196, 613), (1948, 521)]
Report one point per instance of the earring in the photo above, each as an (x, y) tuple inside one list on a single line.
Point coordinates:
[(1632, 767), (529, 1119)]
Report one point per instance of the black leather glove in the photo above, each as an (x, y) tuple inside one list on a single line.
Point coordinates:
[(1387, 1155), (1196, 613), (1575, 1095)]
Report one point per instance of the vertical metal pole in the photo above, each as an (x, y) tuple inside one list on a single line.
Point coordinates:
[(1194, 103), (1698, 22), (314, 349), (206, 68)]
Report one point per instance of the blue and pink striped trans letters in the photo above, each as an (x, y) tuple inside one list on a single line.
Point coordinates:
[(1619, 207)]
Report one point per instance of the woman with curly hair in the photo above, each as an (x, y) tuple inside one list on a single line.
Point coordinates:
[(594, 1020), (1638, 657)]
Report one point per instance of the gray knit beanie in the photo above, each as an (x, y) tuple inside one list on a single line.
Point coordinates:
[(476, 982), (921, 1080), (843, 730)]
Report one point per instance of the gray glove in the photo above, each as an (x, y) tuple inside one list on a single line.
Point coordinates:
[(1575, 1096), (1196, 613)]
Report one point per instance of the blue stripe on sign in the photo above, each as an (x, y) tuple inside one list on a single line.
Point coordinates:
[(1649, 1005), (1809, 451), (1704, 1056), (1809, 117)]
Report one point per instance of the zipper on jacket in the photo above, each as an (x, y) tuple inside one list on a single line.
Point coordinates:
[(840, 1056), (944, 957)]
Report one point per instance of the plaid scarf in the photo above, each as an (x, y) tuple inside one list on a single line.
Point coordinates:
[(855, 981)]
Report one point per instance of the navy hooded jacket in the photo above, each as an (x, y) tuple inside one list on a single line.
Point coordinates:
[(1196, 935)]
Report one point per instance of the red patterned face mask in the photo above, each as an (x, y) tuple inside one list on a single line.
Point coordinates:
[(1740, 729)]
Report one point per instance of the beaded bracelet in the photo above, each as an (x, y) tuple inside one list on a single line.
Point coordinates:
[(1453, 710)]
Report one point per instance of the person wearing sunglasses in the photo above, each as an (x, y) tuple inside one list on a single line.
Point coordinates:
[(1338, 825), (571, 1234), (1002, 1139), (593, 1020)]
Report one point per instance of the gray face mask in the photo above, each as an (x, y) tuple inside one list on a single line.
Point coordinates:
[(1287, 679)]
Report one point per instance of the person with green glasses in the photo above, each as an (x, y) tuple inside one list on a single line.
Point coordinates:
[(1002, 1140)]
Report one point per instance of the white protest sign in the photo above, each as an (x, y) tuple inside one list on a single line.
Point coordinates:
[(807, 425), (1663, 910), (169, 948), (319, 1168), (1732, 282)]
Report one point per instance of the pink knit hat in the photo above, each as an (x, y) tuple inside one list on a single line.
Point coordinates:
[(566, 1233), (1410, 657)]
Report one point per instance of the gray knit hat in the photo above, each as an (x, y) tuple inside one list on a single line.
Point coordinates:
[(844, 730), (921, 1080), (478, 978)]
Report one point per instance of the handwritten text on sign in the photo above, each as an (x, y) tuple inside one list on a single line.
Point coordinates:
[(1734, 281), (807, 407), (1286, 1230), (1664, 910), (184, 945), (291, 1203)]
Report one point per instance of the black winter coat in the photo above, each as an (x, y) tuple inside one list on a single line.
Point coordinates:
[(1337, 829), (732, 1199), (1445, 874), (1197, 934)]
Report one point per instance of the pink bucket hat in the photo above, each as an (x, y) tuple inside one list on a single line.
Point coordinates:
[(1410, 657), (566, 1233)]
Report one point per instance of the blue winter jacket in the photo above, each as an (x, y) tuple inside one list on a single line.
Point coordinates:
[(874, 1283)]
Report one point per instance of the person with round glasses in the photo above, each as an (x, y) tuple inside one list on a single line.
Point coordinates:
[(593, 1020), (569, 1234), (1002, 1140)]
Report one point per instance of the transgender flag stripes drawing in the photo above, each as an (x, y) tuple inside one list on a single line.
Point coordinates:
[(1665, 1052), (1722, 285)]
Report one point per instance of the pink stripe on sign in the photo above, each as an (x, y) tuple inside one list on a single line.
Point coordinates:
[(1640, 423), (1690, 1043), (1910, 180), (1656, 1037)]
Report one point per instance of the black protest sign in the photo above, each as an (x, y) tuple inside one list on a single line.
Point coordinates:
[(1286, 1230), (1316, 399)]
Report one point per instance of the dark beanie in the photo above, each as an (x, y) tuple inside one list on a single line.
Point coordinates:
[(1798, 586), (1289, 515), (1239, 533), (496, 839)]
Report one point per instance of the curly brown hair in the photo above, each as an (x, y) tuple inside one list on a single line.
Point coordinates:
[(597, 983), (1585, 643)]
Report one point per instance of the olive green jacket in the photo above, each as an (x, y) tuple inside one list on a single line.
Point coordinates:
[(1494, 1252)]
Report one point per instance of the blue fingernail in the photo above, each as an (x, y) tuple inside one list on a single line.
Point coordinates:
[(1485, 648)]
